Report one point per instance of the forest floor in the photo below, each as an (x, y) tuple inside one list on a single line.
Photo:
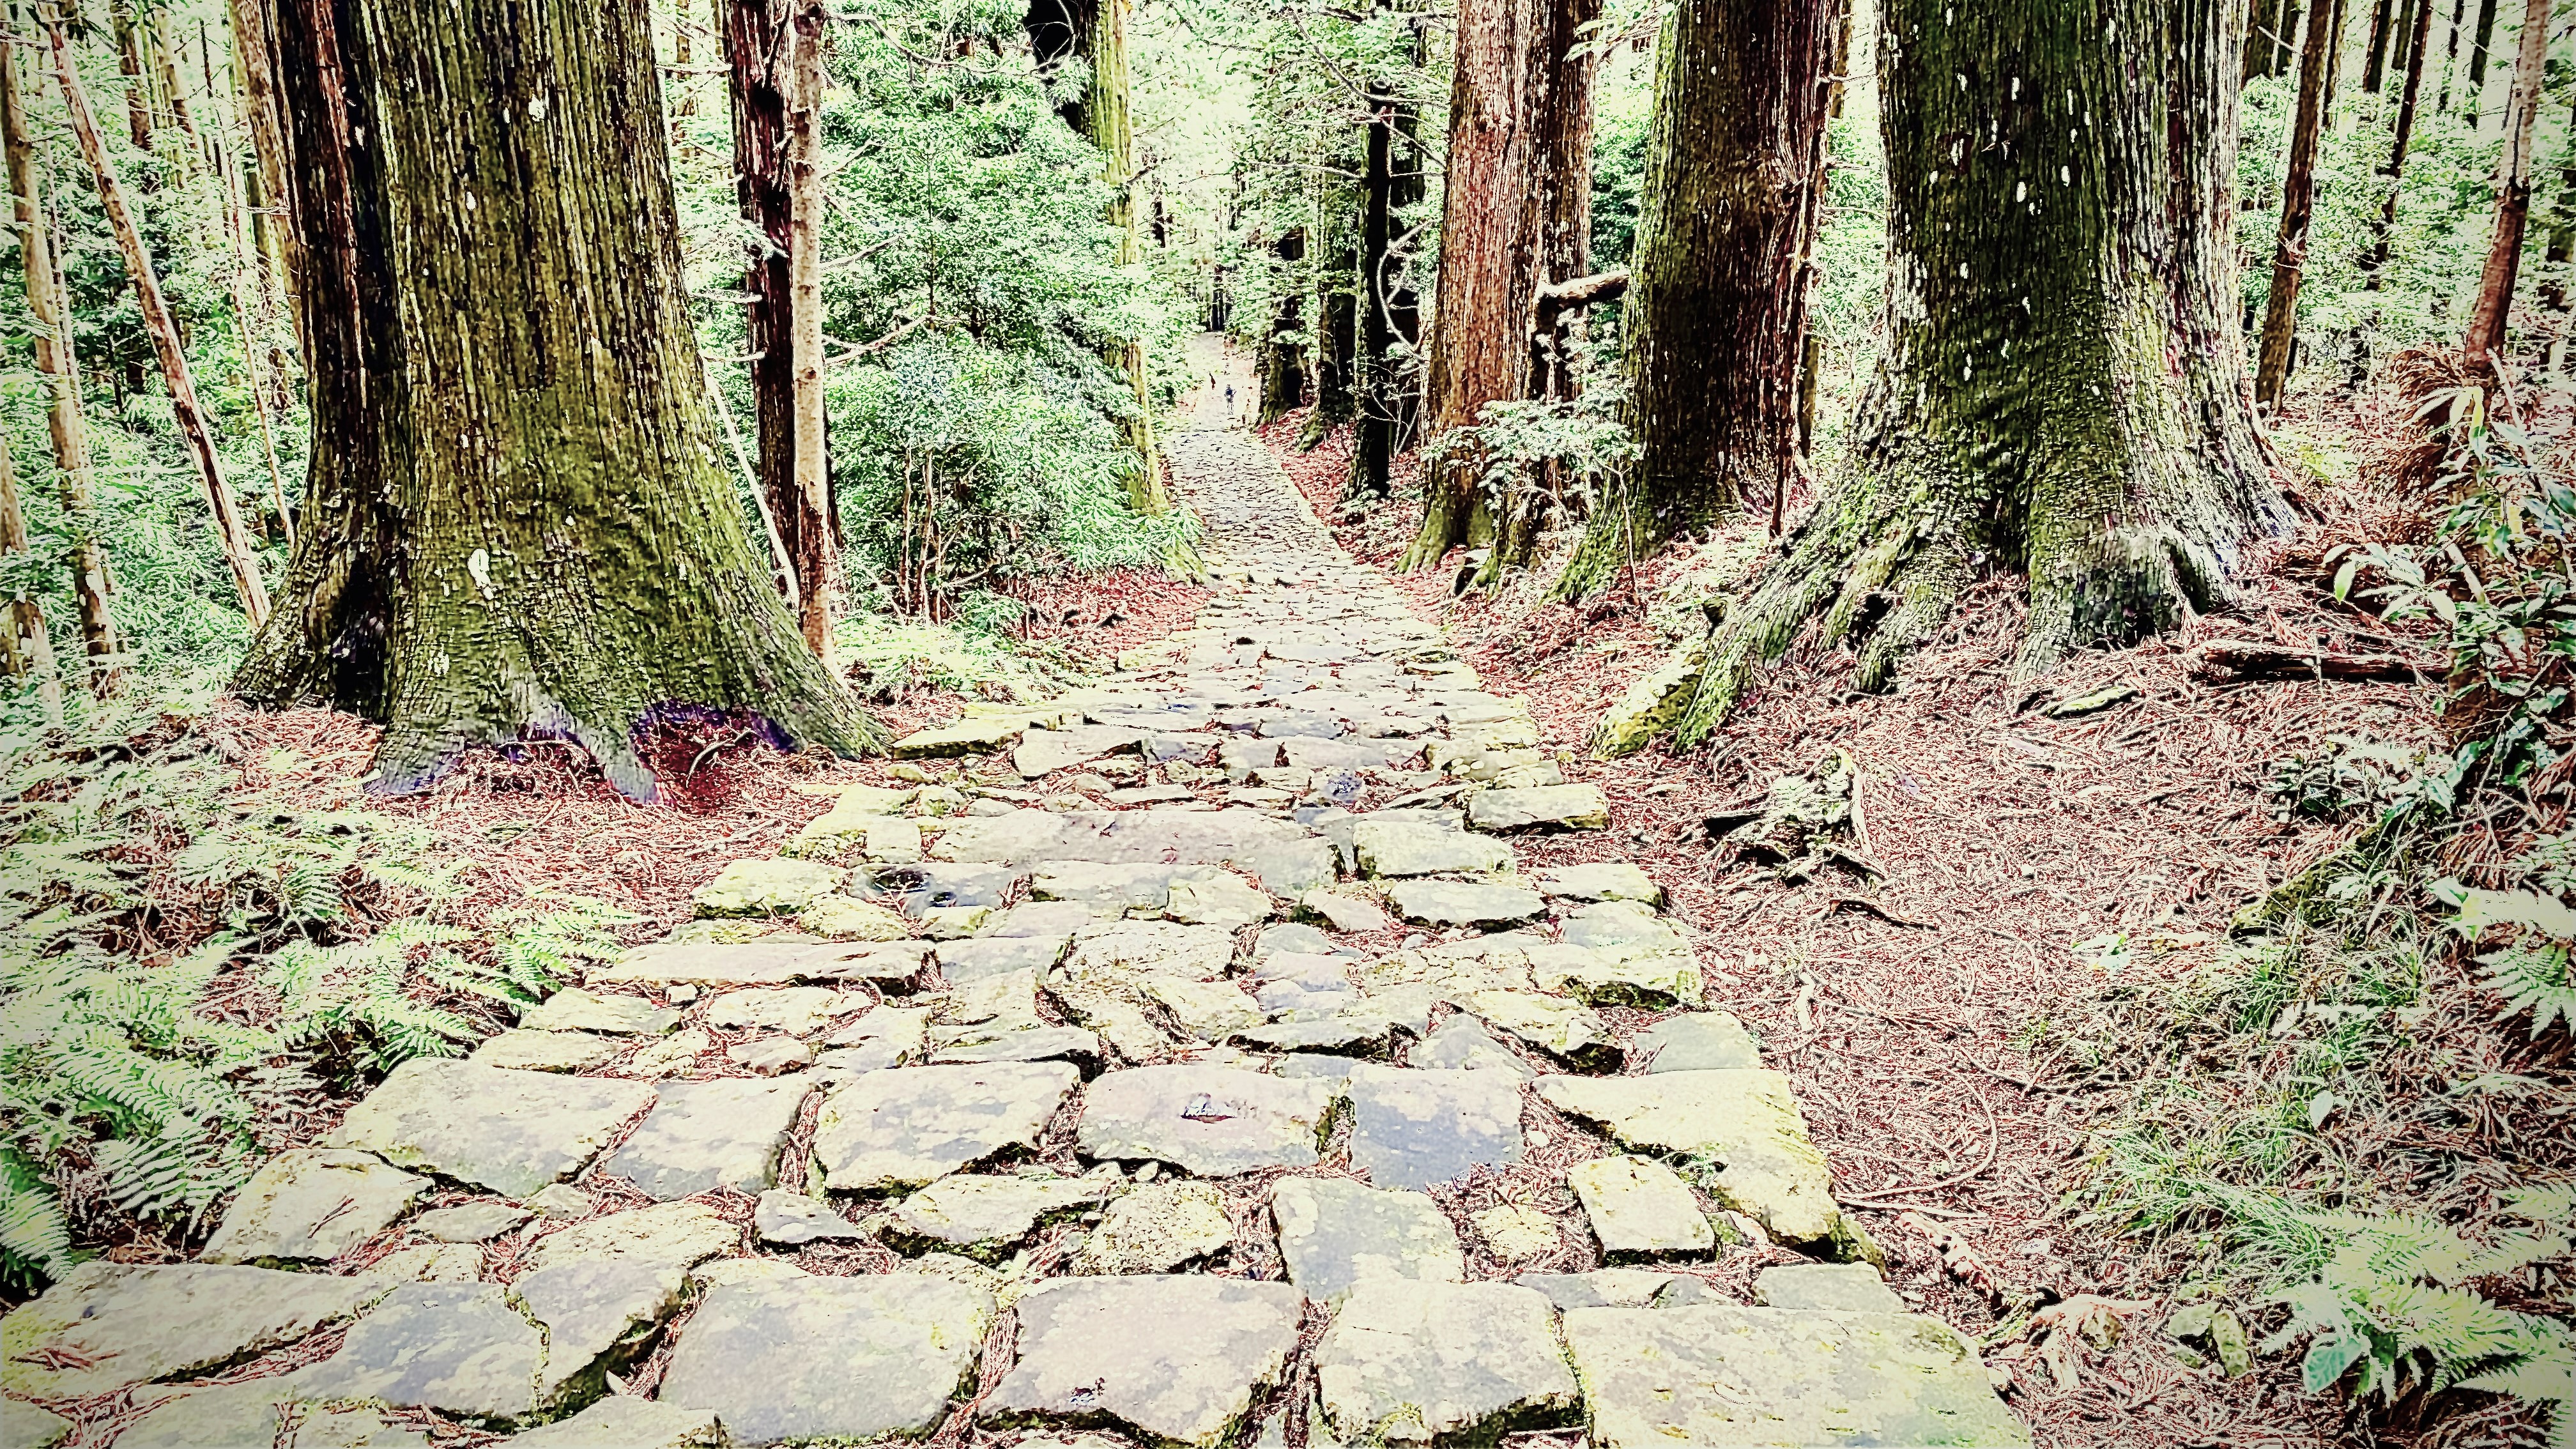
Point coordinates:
[(1915, 1012)]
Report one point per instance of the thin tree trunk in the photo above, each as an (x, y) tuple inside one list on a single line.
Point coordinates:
[(165, 337), (2478, 52), (2263, 17), (2402, 35), (2494, 308), (1715, 320), (517, 524), (26, 651), (2334, 62), (255, 65), (772, 49), (157, 44), (2451, 54), (2111, 456), (91, 585), (819, 580), (2374, 66), (1336, 343), (1283, 362), (2298, 207), (1373, 441), (1516, 215), (129, 63), (2384, 225)]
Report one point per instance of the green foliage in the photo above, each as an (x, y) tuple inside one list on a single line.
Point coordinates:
[(184, 968), (2389, 1307), (2352, 774), (895, 655)]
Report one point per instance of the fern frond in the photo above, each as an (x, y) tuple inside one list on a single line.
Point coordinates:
[(2538, 978), (35, 1235)]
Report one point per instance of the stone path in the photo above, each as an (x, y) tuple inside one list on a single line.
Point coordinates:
[(1182, 1058)]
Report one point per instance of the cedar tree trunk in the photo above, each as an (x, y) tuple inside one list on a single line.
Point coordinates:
[(773, 52), (2063, 388), (91, 583), (2374, 65), (1373, 441), (2298, 207), (515, 524), (2478, 52), (1283, 359), (2513, 192), (1716, 313), (1516, 214)]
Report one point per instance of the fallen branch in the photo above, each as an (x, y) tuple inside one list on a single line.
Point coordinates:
[(2245, 659)]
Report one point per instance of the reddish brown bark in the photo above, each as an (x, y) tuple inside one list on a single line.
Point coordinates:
[(2513, 192)]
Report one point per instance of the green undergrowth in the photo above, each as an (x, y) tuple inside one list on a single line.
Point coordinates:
[(194, 962), (2354, 1122), (889, 655)]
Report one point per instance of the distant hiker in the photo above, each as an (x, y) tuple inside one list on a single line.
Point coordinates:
[(1229, 400)]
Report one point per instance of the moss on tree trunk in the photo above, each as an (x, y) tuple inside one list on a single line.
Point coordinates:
[(515, 523), (2063, 390), (1717, 299)]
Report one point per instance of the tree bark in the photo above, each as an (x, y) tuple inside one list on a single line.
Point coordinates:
[(2263, 17), (2451, 53), (255, 64), (2402, 34), (774, 53), (1373, 439), (129, 64), (91, 583), (2494, 309), (2108, 452), (2478, 54), (1336, 344), (2298, 208), (2334, 62), (2374, 66), (1283, 362), (165, 338), (1516, 215), (516, 523), (1716, 314), (2375, 260)]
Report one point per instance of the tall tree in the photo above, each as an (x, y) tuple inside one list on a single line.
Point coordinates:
[(774, 52), (2478, 51), (2374, 66), (91, 586), (515, 523), (2063, 389), (2376, 258), (2262, 18), (1516, 214), (2513, 191), (1373, 440), (255, 71), (2298, 207), (1716, 311), (164, 332), (1283, 356), (1094, 33)]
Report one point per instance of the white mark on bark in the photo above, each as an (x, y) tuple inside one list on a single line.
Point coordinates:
[(479, 564), (2065, 176), (536, 108), (2021, 191)]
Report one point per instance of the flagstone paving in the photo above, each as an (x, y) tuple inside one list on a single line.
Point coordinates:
[(1152, 1036)]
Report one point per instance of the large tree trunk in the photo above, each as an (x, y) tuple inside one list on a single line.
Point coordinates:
[(1095, 31), (2376, 259), (1516, 214), (2298, 207), (2263, 17), (773, 50), (2513, 192), (91, 586), (164, 332), (1716, 314), (2109, 452), (515, 525)]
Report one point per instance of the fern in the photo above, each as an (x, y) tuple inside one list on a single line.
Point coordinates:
[(2535, 978), (35, 1236), (2388, 1310)]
